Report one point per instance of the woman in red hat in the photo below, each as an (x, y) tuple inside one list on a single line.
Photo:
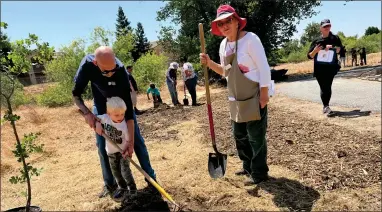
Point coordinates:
[(244, 64)]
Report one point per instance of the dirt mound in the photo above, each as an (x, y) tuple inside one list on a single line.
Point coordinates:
[(326, 156)]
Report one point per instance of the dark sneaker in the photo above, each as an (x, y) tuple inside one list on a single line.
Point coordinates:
[(133, 190), (254, 181), (242, 172), (119, 194), (137, 112), (106, 191)]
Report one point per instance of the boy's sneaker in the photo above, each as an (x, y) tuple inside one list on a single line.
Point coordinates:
[(119, 194), (133, 190), (107, 190)]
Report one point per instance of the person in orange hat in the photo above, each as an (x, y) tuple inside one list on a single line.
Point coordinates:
[(244, 64)]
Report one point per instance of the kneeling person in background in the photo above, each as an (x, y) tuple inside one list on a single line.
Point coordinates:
[(116, 128), (155, 93)]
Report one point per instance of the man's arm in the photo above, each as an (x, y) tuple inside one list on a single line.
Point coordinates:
[(81, 80), (168, 76)]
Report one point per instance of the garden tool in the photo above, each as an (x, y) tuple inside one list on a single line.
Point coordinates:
[(217, 162), (152, 181), (185, 100)]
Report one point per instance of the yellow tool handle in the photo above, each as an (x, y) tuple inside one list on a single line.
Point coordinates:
[(155, 184)]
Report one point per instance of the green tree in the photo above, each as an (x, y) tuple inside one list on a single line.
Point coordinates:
[(142, 45), (372, 30), (123, 48), (62, 70), (122, 25), (5, 45), (150, 68), (273, 21), (311, 32), (99, 37), (290, 46), (21, 56)]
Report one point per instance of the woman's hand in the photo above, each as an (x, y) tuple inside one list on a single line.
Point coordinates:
[(317, 48), (204, 59), (328, 47), (264, 97)]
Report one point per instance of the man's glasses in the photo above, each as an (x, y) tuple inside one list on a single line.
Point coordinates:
[(107, 72), (222, 23), (327, 26)]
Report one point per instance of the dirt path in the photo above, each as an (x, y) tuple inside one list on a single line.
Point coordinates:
[(303, 156)]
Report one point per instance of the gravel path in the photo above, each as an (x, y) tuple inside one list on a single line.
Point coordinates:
[(354, 93)]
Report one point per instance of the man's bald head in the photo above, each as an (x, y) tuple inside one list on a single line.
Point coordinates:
[(104, 51), (105, 58)]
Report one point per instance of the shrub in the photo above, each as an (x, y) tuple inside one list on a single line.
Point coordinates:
[(62, 70), (58, 95), (150, 68)]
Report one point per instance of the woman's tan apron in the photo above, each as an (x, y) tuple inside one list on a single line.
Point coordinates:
[(246, 92)]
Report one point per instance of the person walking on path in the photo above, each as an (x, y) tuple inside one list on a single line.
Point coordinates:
[(324, 51), (243, 62)]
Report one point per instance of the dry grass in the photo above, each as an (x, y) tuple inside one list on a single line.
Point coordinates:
[(179, 149), (307, 66)]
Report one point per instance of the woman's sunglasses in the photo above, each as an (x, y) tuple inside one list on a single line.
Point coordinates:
[(222, 23)]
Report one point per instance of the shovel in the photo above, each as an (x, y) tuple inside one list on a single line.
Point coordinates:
[(155, 184), (185, 100), (217, 162)]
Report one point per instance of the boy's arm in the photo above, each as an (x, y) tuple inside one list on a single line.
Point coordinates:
[(128, 152), (148, 93)]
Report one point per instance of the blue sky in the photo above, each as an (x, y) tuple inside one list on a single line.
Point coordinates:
[(60, 22)]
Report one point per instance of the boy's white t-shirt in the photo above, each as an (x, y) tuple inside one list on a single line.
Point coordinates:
[(116, 131), (251, 59)]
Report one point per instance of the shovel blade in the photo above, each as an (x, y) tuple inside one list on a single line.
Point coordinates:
[(185, 102), (217, 164)]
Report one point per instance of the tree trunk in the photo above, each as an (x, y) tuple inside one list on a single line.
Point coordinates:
[(22, 156)]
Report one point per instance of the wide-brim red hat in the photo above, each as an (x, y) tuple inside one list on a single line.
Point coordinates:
[(223, 12)]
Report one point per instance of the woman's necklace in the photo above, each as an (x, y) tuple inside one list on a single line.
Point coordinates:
[(231, 47)]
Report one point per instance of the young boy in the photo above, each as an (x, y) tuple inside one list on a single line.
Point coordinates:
[(114, 125), (155, 93)]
